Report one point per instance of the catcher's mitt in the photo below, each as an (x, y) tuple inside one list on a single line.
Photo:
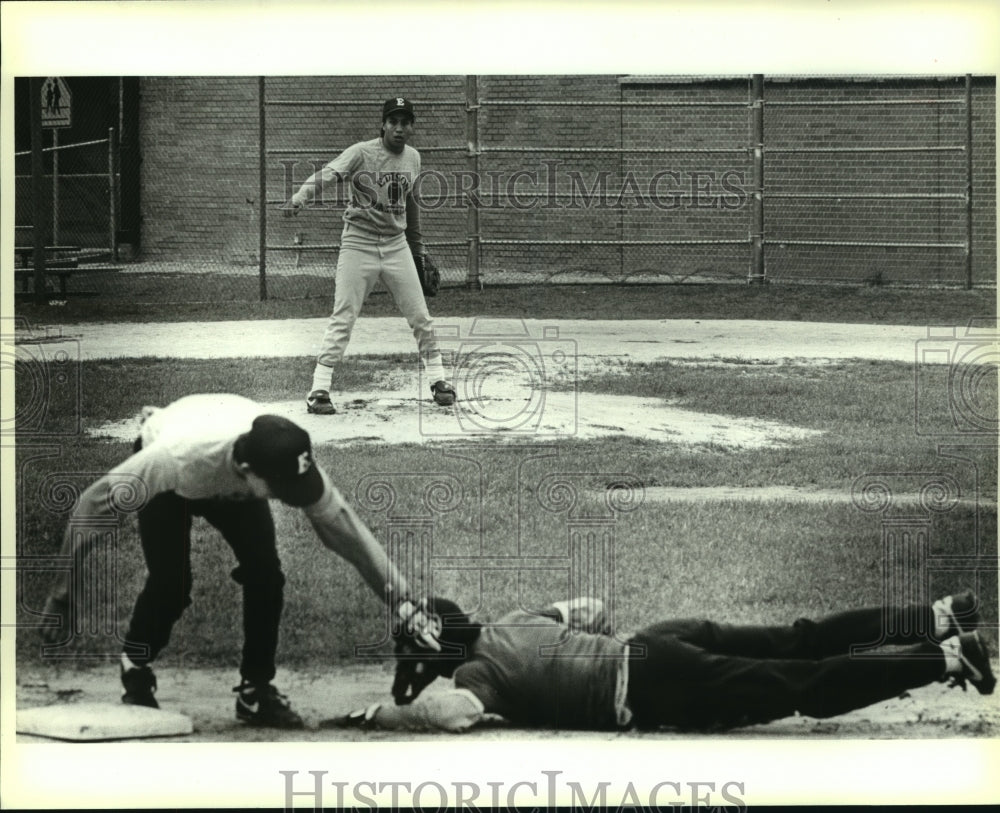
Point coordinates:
[(430, 277), (417, 665)]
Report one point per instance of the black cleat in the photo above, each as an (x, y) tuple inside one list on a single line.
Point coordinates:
[(263, 705), (975, 659), (318, 403), (443, 392), (140, 686), (961, 612)]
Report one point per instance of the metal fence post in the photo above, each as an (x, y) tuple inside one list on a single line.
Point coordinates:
[(472, 279), (621, 175), (55, 186), (113, 193), (37, 197), (968, 180), (262, 189), (757, 270)]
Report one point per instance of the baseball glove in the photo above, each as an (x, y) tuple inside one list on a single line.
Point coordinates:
[(59, 632), (430, 277), (416, 623)]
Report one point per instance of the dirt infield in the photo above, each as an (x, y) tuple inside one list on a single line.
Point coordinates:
[(529, 394), (636, 340), (396, 413), (935, 711), (779, 763)]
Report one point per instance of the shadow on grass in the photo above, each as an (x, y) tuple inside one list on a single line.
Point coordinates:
[(136, 296)]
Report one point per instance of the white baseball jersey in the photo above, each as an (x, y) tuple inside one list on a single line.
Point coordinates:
[(380, 185), (187, 448)]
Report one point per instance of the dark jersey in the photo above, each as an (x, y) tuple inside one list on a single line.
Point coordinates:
[(535, 671)]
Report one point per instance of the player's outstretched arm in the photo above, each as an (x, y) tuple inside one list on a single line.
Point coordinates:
[(341, 530), (453, 711), (311, 189)]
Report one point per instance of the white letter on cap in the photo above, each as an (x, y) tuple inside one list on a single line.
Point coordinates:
[(304, 462)]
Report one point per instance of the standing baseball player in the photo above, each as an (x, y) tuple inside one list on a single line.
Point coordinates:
[(219, 457), (381, 240), (559, 668)]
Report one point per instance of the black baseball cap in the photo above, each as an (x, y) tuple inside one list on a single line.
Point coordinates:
[(280, 452), (397, 105)]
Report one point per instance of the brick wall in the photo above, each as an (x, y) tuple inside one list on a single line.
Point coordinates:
[(198, 138), (984, 180), (199, 141), (312, 119), (860, 116), (696, 188)]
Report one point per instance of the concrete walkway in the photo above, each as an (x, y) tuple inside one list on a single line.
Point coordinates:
[(639, 340)]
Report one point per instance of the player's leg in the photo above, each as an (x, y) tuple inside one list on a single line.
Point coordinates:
[(400, 277), (682, 685), (357, 272), (165, 532), (835, 634), (248, 528)]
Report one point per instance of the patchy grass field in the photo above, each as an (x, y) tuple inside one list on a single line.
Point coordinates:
[(751, 560), (520, 509), (181, 297)]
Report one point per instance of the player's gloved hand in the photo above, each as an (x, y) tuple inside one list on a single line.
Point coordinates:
[(584, 613), (59, 631), (290, 209), (428, 274), (359, 718), (416, 621)]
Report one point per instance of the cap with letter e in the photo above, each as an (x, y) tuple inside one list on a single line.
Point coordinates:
[(397, 105), (280, 452)]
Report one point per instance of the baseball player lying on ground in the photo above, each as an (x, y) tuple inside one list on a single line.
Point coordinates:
[(221, 458), (560, 668), (381, 240)]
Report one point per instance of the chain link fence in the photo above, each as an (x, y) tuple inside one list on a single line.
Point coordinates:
[(869, 183), (176, 182), (79, 233)]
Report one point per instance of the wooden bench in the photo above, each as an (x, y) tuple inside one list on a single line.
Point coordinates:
[(25, 274), (26, 254), (63, 274)]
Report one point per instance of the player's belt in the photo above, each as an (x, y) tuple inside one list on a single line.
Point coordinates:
[(350, 226)]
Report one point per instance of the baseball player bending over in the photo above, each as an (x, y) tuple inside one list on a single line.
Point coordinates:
[(381, 240), (560, 668), (219, 457)]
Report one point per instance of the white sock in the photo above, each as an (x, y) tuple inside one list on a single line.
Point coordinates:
[(322, 377), (952, 650), (942, 617), (127, 663), (434, 369)]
